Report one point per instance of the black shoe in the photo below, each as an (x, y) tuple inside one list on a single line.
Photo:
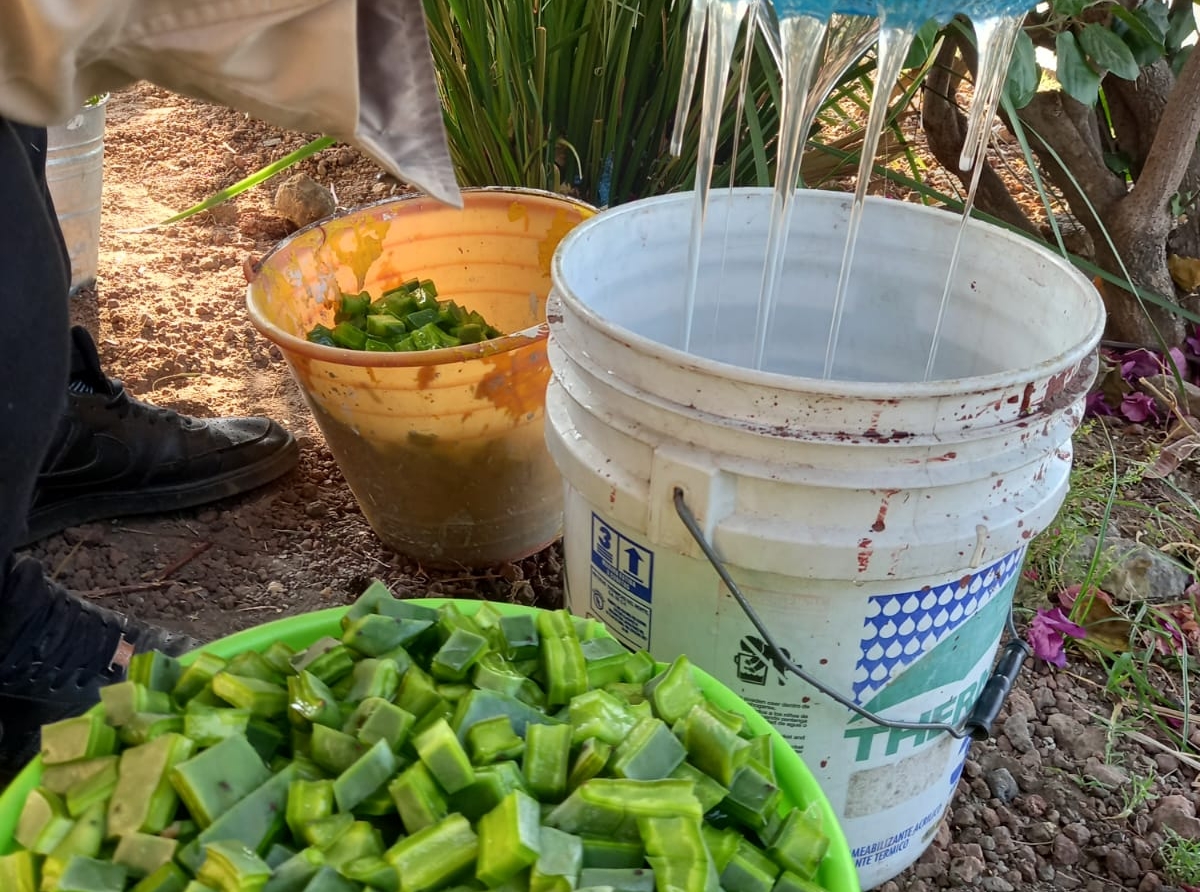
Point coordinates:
[(113, 455), (56, 652)]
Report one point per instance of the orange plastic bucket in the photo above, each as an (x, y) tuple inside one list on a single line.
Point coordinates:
[(444, 450)]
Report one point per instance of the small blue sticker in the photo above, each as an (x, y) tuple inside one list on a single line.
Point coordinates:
[(622, 584)]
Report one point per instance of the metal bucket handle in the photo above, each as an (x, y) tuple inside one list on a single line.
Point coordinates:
[(979, 720)]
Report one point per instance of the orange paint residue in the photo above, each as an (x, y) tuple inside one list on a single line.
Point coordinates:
[(357, 247), (518, 382), (559, 227)]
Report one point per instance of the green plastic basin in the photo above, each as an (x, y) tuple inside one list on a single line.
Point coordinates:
[(837, 872)]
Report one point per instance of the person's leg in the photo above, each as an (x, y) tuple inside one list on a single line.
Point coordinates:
[(56, 650)]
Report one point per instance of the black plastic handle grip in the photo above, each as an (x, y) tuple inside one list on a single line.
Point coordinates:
[(983, 715)]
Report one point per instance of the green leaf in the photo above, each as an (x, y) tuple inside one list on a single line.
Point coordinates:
[(922, 46), (1181, 59), (1023, 73), (1139, 23), (1068, 8), (1141, 42), (1181, 24), (1154, 14), (1077, 77), (1118, 162), (1108, 51)]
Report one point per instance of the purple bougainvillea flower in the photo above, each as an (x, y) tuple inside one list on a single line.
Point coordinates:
[(1139, 407), (1140, 363), (1097, 405), (1180, 359), (1048, 634)]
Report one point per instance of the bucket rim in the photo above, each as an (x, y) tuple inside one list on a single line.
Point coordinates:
[(411, 203), (872, 390)]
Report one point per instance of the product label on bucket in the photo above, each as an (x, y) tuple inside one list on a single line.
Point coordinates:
[(622, 585)]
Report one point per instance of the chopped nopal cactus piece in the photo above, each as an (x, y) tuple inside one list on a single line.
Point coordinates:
[(146, 726), (560, 859), (611, 806), (324, 832), (362, 840), (168, 878), (310, 700), (83, 737), (790, 882), (674, 691), (279, 657), (753, 796), (144, 853), (208, 725), (376, 719), (801, 844), (255, 821), (509, 838), (329, 880), (374, 678), (611, 853), (440, 750), (592, 757), (97, 788), (562, 662), (492, 784), (85, 838), (520, 636), (334, 750), (374, 634), (155, 670), (144, 800), (231, 867), (211, 782), (371, 771), (262, 698), (252, 664), (308, 801), (599, 714), (418, 692), (43, 823), (374, 872), (493, 740), (640, 668), (294, 874), (196, 677), (123, 700), (480, 705), (197, 886), (649, 752), (749, 870), (418, 798), (332, 665), (18, 872), (547, 760), (461, 651), (628, 879), (91, 875), (430, 858), (60, 778), (712, 746), (368, 602), (708, 791)]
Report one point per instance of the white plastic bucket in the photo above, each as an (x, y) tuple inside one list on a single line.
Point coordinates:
[(877, 524), (75, 177)]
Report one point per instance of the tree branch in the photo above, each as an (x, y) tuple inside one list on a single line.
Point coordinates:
[(1170, 154)]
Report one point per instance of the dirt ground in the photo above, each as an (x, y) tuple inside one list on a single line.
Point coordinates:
[(1052, 802)]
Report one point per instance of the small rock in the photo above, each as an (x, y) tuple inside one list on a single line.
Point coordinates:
[(302, 200), (1002, 784), (208, 515), (1040, 832), (1017, 730), (1176, 813), (1063, 851), (1078, 833), (1166, 763), (1020, 703), (1121, 863), (1111, 776), (1151, 882), (996, 884), (966, 870), (1082, 742), (315, 509), (275, 587), (1139, 573)]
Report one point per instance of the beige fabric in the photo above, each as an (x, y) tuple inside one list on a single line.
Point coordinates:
[(293, 63)]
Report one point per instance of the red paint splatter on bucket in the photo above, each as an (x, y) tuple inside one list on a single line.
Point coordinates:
[(864, 555)]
